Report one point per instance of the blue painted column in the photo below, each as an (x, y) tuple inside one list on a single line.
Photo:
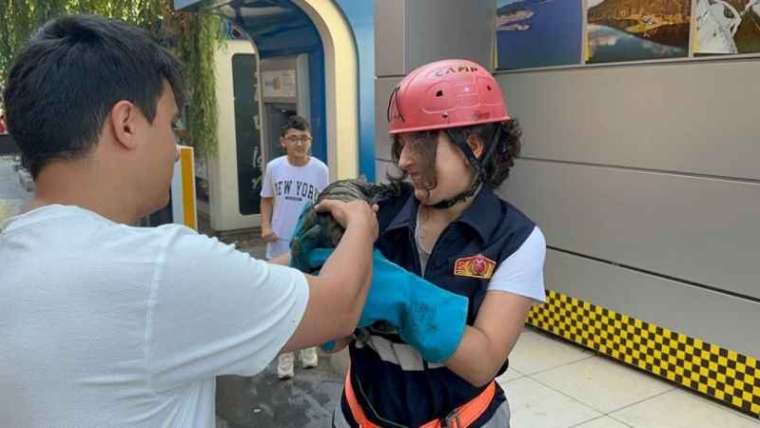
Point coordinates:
[(361, 18)]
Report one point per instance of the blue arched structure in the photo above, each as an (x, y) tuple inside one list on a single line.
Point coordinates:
[(282, 28)]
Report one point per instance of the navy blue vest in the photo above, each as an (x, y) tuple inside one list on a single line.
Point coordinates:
[(390, 395)]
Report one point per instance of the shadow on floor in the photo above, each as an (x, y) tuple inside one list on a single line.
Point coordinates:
[(264, 401)]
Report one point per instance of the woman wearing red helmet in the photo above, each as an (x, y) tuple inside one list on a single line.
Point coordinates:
[(455, 142)]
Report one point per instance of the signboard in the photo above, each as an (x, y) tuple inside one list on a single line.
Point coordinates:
[(279, 83)]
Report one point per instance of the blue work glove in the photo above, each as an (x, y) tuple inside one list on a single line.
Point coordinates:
[(313, 230), (427, 317)]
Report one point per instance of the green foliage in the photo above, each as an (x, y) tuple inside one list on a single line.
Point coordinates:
[(193, 37)]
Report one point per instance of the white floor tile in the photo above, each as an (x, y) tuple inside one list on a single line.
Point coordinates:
[(536, 353), (509, 376), (602, 384), (682, 409), (534, 405), (603, 422)]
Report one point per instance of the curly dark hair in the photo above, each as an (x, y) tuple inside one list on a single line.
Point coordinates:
[(496, 168)]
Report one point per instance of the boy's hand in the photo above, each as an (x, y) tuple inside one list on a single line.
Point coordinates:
[(268, 235), (355, 213)]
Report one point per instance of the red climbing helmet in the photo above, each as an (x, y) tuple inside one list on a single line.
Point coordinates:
[(445, 94)]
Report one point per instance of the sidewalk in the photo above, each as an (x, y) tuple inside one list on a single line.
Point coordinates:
[(12, 194), (550, 384)]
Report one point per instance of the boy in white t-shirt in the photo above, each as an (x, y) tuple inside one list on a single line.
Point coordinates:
[(106, 324), (290, 182)]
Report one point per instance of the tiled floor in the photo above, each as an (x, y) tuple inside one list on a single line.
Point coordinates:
[(553, 384)]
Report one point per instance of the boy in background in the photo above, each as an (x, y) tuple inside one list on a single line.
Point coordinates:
[(290, 182)]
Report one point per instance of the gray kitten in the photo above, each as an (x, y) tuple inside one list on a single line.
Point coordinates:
[(320, 230)]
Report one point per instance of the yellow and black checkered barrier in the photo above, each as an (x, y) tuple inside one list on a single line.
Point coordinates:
[(724, 375)]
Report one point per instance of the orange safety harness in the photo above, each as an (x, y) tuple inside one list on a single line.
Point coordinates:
[(462, 417)]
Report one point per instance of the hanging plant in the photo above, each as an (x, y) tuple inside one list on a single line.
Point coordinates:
[(192, 37)]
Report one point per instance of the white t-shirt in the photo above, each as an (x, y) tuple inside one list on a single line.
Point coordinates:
[(103, 324), (292, 187), (523, 271)]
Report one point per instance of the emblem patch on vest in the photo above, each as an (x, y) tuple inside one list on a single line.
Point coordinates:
[(478, 266)]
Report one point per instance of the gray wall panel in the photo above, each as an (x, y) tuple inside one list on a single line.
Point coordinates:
[(383, 89), (610, 130), (714, 317), (390, 18), (696, 117), (381, 170), (409, 33), (438, 29), (695, 229)]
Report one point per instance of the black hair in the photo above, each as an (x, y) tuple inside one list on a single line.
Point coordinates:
[(295, 122), (496, 167), (67, 78)]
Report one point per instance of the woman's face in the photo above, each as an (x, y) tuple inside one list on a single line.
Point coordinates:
[(449, 170)]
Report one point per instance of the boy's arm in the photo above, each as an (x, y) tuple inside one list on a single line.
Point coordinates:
[(337, 294), (267, 205), (266, 220)]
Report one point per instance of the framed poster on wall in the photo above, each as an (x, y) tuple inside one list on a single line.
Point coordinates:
[(635, 30), (538, 33), (548, 33), (727, 27)]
